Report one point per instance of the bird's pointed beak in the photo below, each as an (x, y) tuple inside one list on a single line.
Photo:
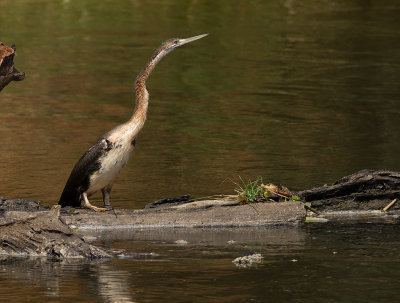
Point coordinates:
[(191, 39)]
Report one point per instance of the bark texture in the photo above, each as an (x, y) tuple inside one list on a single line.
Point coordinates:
[(28, 229), (8, 72), (198, 214), (363, 190), (42, 234)]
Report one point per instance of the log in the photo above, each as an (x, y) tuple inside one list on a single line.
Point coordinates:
[(29, 229), (43, 234), (198, 214), (363, 190), (8, 72)]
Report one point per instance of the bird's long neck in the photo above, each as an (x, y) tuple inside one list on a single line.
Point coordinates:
[(129, 130), (142, 96)]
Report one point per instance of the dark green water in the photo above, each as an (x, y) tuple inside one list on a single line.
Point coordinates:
[(300, 92)]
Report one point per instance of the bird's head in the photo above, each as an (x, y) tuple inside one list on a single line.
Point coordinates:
[(173, 43), (163, 49)]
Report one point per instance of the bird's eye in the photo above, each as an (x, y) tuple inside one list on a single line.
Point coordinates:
[(176, 42)]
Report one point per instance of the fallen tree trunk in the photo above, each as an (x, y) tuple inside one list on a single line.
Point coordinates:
[(199, 214), (26, 228), (43, 234), (8, 72), (363, 190)]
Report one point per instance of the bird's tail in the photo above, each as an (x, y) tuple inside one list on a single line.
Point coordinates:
[(70, 197)]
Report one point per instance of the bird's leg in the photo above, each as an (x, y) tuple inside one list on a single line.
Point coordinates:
[(87, 204), (106, 197)]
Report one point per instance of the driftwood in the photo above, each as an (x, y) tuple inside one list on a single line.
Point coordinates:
[(8, 72), (29, 229), (43, 234), (197, 214), (364, 190)]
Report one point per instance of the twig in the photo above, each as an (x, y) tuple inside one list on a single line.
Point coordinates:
[(253, 208), (305, 205), (280, 195), (389, 205), (312, 209)]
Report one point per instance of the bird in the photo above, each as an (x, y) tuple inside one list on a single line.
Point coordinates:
[(99, 166)]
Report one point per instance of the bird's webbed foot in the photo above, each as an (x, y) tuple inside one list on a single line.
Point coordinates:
[(95, 208), (87, 204)]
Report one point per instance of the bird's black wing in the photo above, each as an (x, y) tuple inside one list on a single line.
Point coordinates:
[(79, 180)]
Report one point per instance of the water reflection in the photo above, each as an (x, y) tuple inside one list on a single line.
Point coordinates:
[(349, 256), (121, 280), (34, 272), (113, 284), (274, 235), (83, 281)]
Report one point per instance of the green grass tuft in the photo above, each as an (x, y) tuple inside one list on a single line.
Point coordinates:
[(250, 191)]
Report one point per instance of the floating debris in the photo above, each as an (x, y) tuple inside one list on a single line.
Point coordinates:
[(248, 261), (230, 242)]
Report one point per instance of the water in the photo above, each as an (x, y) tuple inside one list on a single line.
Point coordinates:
[(299, 92), (352, 262)]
